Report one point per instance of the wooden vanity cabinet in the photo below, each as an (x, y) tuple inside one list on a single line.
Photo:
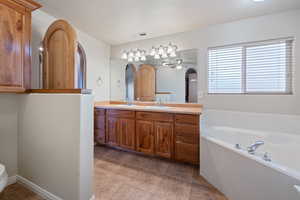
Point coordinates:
[(187, 138), (155, 133), (15, 49), (172, 136), (120, 128), (145, 136), (99, 126)]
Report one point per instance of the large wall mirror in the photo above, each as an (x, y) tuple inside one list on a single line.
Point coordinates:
[(165, 80)]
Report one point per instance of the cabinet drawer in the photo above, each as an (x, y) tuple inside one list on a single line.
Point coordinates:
[(99, 112), (121, 113), (187, 119), (186, 129), (154, 116), (187, 138), (187, 152)]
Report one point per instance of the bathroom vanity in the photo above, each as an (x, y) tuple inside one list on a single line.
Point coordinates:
[(169, 131)]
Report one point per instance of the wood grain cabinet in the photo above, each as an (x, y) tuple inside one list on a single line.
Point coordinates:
[(163, 139), (99, 126), (187, 138), (158, 132), (120, 129), (172, 136), (127, 133), (15, 49), (145, 136)]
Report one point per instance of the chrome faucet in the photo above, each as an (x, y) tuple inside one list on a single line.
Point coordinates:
[(255, 146)]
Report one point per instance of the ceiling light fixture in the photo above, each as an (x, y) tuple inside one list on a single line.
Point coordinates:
[(143, 34), (163, 52), (258, 1), (173, 64), (134, 55)]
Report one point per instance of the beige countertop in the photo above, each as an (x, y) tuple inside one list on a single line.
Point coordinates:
[(187, 108)]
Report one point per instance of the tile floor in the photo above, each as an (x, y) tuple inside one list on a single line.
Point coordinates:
[(127, 176)]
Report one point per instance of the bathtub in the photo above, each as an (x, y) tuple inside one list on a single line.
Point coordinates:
[(242, 176)]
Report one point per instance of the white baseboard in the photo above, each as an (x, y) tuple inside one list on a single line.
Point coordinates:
[(12, 180), (37, 189)]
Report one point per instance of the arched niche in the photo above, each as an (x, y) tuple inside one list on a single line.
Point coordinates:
[(191, 86)]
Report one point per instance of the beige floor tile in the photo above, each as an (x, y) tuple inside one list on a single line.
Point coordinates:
[(121, 175)]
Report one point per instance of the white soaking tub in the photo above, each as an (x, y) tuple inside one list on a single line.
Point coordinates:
[(242, 176)]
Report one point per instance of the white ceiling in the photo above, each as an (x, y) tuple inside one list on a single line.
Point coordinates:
[(121, 21)]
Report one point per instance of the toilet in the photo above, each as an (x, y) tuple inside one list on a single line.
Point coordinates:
[(3, 177)]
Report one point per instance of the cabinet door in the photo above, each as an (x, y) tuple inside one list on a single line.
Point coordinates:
[(145, 83), (11, 49), (112, 136), (186, 152), (60, 48), (127, 133), (163, 139), (99, 126), (145, 136)]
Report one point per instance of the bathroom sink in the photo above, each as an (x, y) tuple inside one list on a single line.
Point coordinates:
[(143, 107), (157, 107)]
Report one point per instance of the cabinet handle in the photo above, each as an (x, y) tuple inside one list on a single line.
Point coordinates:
[(19, 25)]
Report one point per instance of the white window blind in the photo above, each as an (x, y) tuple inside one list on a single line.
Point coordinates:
[(259, 67)]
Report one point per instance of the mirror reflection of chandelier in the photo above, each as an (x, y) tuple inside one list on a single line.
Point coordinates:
[(172, 63), (161, 52), (134, 55)]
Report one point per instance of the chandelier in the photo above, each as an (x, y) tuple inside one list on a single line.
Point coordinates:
[(161, 52), (176, 63), (134, 55)]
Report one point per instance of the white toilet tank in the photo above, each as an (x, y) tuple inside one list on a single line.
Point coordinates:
[(3, 177)]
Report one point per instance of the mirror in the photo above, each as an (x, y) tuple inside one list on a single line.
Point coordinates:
[(166, 80), (130, 72)]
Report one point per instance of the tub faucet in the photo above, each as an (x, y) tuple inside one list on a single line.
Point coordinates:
[(255, 146)]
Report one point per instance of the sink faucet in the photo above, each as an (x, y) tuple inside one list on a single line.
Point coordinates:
[(255, 146), (129, 101), (159, 101)]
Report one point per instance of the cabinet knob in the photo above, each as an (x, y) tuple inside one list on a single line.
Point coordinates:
[(19, 25)]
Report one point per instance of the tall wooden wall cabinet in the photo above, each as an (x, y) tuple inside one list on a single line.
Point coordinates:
[(15, 48)]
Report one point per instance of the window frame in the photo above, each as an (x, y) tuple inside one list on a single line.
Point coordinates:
[(289, 67)]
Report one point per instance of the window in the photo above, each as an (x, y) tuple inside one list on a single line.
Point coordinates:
[(259, 67)]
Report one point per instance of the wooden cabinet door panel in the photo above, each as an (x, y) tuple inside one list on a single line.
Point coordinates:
[(146, 83), (187, 152), (99, 125), (127, 133), (60, 45), (11, 49), (99, 122), (163, 139), (99, 136), (112, 131), (145, 136)]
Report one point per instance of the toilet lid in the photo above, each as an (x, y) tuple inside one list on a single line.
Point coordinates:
[(2, 169)]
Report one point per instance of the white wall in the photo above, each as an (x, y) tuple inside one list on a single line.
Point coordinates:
[(55, 143), (9, 133), (171, 80), (117, 80), (254, 29), (97, 53)]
